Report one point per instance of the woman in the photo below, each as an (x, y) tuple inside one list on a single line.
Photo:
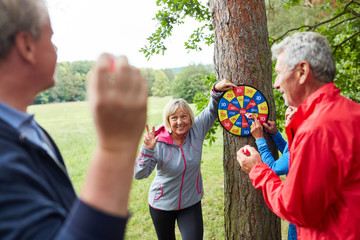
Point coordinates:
[(175, 150)]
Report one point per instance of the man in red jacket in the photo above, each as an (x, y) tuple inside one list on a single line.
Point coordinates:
[(321, 193)]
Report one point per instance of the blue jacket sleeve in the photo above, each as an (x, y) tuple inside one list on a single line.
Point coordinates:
[(85, 222), (37, 201), (281, 166), (279, 141)]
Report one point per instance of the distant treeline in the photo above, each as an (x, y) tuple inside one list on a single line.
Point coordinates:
[(71, 80)]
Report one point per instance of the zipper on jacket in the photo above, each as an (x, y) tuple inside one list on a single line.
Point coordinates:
[(183, 176)]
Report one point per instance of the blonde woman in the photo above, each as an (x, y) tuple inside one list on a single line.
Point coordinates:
[(174, 149)]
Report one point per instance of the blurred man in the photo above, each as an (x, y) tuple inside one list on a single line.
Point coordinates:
[(37, 199), (321, 192)]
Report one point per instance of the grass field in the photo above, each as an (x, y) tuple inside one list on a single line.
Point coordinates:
[(71, 126)]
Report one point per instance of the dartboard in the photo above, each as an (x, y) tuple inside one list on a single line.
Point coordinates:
[(238, 106)]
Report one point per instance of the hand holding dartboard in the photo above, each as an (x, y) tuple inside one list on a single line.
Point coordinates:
[(237, 106)]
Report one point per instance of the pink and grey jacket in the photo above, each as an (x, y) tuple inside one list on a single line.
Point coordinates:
[(178, 182)]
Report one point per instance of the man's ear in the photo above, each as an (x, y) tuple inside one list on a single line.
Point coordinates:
[(303, 71), (25, 44)]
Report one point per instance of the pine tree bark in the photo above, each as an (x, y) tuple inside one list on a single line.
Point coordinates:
[(242, 55)]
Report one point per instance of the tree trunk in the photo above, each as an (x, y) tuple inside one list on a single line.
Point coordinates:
[(242, 55)]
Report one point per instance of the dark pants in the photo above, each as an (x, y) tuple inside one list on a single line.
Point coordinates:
[(189, 220)]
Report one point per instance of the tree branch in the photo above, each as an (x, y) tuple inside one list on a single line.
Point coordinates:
[(313, 27), (347, 39)]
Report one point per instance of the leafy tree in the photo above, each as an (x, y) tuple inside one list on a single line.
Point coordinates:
[(42, 98), (338, 20), (189, 82), (173, 13), (161, 86), (70, 83), (149, 74), (82, 67), (169, 73), (202, 100), (242, 59)]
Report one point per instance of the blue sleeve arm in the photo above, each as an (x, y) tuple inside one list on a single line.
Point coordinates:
[(281, 166), (38, 202), (85, 222), (279, 141)]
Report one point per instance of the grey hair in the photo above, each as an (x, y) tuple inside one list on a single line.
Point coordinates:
[(171, 108), (17, 16), (310, 47)]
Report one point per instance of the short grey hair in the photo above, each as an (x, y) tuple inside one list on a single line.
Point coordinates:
[(17, 16), (171, 108), (310, 47)]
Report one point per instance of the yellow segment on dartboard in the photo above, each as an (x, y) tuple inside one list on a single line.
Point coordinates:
[(222, 115), (229, 95), (263, 108), (234, 118), (255, 115), (235, 130), (241, 101), (249, 91)]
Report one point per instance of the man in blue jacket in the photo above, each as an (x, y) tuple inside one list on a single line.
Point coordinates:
[(37, 199)]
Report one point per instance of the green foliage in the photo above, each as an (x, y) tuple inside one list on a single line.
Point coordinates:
[(169, 73), (149, 74), (201, 102), (189, 82), (340, 23), (283, 16), (70, 83), (343, 33), (82, 67), (338, 20), (172, 13), (161, 86)]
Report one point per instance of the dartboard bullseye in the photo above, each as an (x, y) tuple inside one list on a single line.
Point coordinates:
[(238, 106)]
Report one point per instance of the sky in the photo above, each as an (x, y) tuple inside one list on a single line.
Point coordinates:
[(83, 29)]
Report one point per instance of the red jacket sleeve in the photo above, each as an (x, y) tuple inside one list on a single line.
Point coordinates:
[(311, 185)]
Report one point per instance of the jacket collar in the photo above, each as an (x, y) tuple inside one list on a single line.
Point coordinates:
[(164, 135), (307, 108)]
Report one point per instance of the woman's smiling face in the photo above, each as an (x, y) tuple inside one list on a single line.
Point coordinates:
[(179, 122)]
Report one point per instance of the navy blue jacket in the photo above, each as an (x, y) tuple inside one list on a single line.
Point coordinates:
[(37, 199)]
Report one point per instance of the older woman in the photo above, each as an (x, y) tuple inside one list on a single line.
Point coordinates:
[(175, 150)]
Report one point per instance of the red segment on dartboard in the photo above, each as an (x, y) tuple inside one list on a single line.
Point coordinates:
[(227, 124), (244, 123), (251, 104), (239, 91), (262, 118), (232, 107), (242, 111)]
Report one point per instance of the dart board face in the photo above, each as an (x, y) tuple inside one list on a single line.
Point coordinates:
[(238, 106)]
